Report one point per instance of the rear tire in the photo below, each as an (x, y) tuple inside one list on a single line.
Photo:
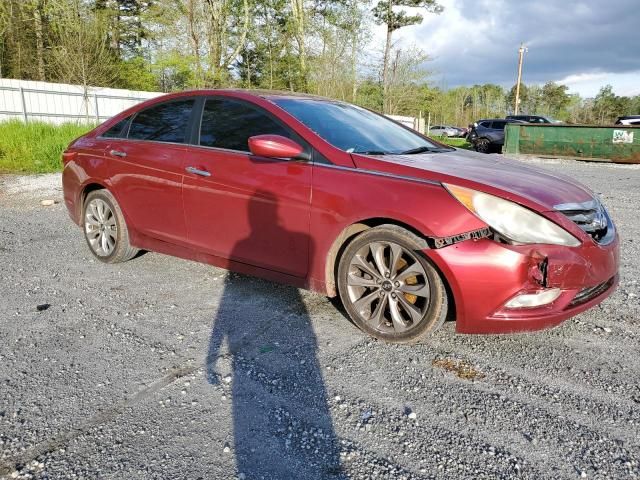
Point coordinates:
[(104, 228), (388, 286)]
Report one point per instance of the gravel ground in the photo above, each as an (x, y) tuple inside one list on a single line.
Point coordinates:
[(164, 368)]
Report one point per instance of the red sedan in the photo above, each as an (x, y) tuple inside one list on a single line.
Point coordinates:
[(325, 195)]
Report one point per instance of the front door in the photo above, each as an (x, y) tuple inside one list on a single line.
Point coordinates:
[(241, 207), (147, 169)]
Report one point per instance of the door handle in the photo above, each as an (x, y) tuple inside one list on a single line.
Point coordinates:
[(197, 171), (118, 153)]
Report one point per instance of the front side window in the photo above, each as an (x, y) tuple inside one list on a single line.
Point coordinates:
[(117, 130), (228, 124), (498, 125), (354, 129), (166, 122)]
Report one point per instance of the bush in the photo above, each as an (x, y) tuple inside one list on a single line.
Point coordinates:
[(35, 147)]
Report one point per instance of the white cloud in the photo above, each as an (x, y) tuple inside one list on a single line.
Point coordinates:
[(588, 84), (578, 42)]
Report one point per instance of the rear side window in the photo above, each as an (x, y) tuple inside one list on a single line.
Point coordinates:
[(117, 130), (498, 125), (229, 124), (166, 122)]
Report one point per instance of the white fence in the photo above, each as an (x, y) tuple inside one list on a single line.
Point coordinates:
[(59, 102)]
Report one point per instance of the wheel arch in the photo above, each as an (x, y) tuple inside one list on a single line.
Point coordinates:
[(84, 190), (348, 234)]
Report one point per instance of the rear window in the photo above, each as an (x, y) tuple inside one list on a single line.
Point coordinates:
[(166, 122)]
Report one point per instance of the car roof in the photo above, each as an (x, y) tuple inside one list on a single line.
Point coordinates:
[(629, 117), (264, 93)]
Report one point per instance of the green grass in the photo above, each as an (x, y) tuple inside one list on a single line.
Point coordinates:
[(35, 147), (455, 142)]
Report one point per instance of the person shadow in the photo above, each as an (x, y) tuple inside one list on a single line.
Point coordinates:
[(282, 426)]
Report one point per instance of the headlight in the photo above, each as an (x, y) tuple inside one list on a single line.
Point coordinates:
[(511, 220)]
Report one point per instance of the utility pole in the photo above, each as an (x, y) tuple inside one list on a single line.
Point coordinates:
[(521, 51)]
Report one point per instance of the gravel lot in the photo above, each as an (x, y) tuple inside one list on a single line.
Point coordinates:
[(164, 368)]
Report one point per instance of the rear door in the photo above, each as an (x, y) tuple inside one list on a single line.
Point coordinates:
[(146, 168), (497, 131), (242, 207)]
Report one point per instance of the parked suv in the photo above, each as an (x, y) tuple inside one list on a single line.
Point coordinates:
[(533, 118), (487, 135)]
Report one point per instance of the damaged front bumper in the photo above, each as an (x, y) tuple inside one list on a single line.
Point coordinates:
[(486, 276)]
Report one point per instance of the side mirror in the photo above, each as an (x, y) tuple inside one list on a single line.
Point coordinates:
[(274, 146)]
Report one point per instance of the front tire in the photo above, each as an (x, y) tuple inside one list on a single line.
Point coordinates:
[(389, 288), (104, 228)]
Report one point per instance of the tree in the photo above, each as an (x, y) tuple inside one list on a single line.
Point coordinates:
[(385, 14), (81, 53), (555, 98), (405, 76), (606, 105)]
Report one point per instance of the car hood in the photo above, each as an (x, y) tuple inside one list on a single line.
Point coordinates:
[(493, 174)]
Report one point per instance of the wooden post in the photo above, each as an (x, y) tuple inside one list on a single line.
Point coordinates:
[(521, 51)]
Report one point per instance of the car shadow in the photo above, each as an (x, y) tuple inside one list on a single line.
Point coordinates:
[(262, 334)]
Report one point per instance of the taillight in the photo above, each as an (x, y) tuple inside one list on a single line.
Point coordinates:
[(68, 156)]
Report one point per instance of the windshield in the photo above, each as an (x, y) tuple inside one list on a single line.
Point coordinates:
[(354, 129)]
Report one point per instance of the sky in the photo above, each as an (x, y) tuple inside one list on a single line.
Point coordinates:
[(583, 44)]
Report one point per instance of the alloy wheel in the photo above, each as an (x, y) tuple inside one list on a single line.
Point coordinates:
[(100, 227), (483, 145), (388, 287)]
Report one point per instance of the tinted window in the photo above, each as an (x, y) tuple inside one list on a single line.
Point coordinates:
[(229, 124), (166, 122), (498, 125), (485, 124), (116, 130), (351, 128)]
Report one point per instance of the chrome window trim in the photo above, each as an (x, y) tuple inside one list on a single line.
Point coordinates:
[(159, 142)]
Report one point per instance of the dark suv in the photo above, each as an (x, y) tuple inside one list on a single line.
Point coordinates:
[(487, 135), (533, 118)]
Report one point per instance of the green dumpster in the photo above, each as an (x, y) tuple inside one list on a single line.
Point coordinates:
[(619, 144)]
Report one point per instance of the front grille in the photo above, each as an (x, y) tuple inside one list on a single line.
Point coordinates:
[(591, 217), (589, 293)]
